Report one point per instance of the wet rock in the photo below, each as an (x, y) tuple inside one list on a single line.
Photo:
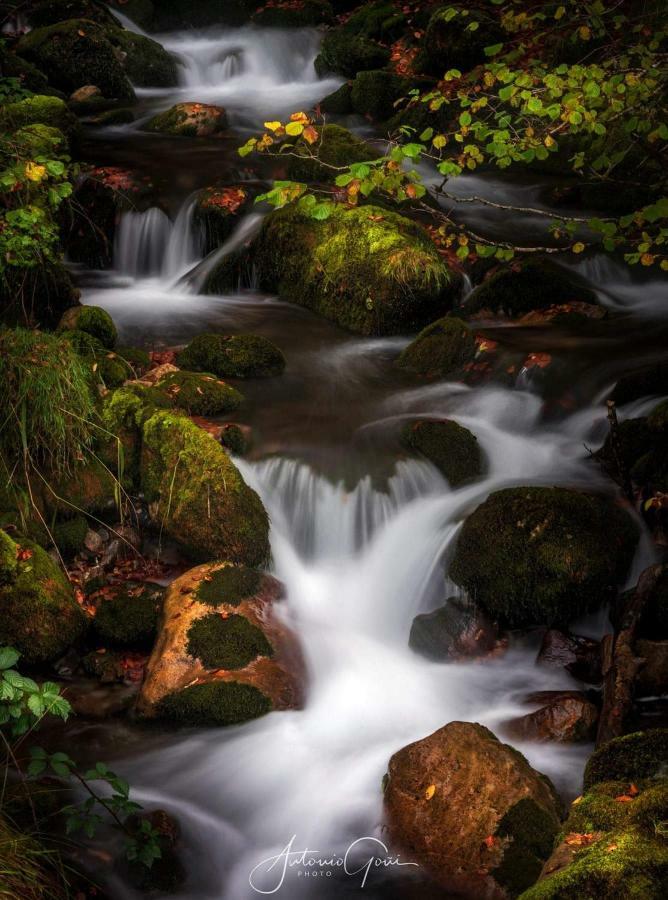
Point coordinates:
[(453, 449), (439, 349), (87, 92), (218, 211), (69, 535), (370, 270), (567, 717), (145, 61), (190, 120), (339, 102), (455, 631), (653, 676), (580, 656), (543, 556), (222, 655), (471, 810), (233, 356), (646, 382), (94, 701)]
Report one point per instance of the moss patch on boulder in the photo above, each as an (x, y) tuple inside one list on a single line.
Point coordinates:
[(543, 556), (145, 61), (128, 614), (439, 349), (215, 703), (453, 449), (232, 356), (226, 643), (339, 102), (529, 832), (92, 320), (229, 585)]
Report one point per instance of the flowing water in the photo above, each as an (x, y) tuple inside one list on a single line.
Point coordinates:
[(361, 535)]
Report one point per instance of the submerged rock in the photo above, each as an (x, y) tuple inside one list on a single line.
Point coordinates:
[(458, 630), (222, 655), (453, 449), (471, 810), (233, 356), (190, 120), (566, 716), (543, 556), (38, 613), (370, 270), (440, 349)]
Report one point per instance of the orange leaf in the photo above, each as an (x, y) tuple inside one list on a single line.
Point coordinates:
[(310, 134)]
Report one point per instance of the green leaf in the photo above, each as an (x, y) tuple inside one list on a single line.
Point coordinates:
[(493, 49), (8, 657)]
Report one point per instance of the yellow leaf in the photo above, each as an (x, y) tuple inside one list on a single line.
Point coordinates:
[(585, 32), (440, 141), (300, 117), (35, 172), (429, 793), (647, 259), (273, 126), (560, 13), (294, 128), (549, 141), (579, 247)]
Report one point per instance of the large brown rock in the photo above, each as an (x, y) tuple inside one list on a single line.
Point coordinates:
[(471, 810), (564, 716), (222, 656)]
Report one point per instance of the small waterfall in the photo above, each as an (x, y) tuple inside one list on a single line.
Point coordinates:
[(194, 281), (141, 239)]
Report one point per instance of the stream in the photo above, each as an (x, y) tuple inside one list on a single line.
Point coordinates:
[(360, 535)]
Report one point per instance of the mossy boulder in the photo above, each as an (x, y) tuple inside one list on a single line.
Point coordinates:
[(127, 615), (370, 270), (145, 62), (138, 359), (381, 21), (375, 92), (190, 120), (29, 76), (543, 556), (196, 494), (237, 438), (69, 535), (440, 349), (453, 449), (90, 487), (348, 54), (336, 147), (92, 320), (301, 14), (471, 811), (197, 394), (525, 286), (36, 297), (38, 613), (232, 356), (74, 53), (643, 754), (339, 102), (218, 211), (451, 43), (38, 110), (222, 655)]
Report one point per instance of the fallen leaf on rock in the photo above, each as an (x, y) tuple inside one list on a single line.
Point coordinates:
[(429, 793)]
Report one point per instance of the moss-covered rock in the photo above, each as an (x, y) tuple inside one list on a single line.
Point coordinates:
[(220, 632), (74, 53), (643, 754), (128, 614), (370, 270), (37, 296), (198, 394), (523, 287), (337, 147), (90, 487), (381, 20), (301, 14), (145, 62), (451, 43), (543, 556), (339, 102), (38, 613), (375, 92), (141, 12), (190, 120), (348, 54), (38, 110), (69, 535), (440, 349), (232, 356), (92, 320), (453, 449), (237, 438), (196, 494), (138, 360)]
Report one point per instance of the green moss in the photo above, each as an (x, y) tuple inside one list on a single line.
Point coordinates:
[(230, 585), (451, 447), (226, 643), (199, 498), (8, 562), (129, 617), (89, 487), (94, 321), (375, 92), (531, 830), (597, 810), (38, 613), (650, 810), (74, 53), (232, 356), (29, 76), (40, 140), (339, 102), (198, 394), (370, 270), (38, 110), (216, 703), (643, 754), (113, 117), (69, 535), (542, 556), (440, 349), (336, 147), (349, 54)]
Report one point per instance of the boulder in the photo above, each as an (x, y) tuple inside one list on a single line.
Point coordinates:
[(197, 394), (440, 349), (69, 535), (564, 716), (196, 495), (643, 754), (40, 140), (92, 320), (348, 54), (456, 631), (453, 449), (38, 110), (543, 556), (336, 147), (127, 614), (372, 271), (471, 810), (579, 656), (85, 93), (375, 92), (38, 613), (232, 356), (145, 62), (451, 43), (75, 53), (190, 120), (222, 655)]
